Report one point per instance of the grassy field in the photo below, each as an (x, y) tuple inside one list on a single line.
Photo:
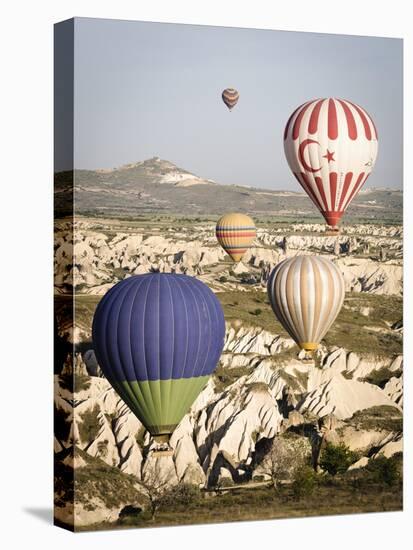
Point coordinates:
[(163, 221), (337, 497), (352, 330), (358, 332), (378, 418), (252, 308), (365, 334)]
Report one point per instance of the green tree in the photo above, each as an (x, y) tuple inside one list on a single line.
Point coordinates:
[(336, 459), (384, 470), (304, 481)]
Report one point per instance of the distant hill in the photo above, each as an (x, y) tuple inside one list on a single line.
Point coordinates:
[(157, 185)]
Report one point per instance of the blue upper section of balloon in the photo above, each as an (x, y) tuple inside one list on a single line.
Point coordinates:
[(158, 326)]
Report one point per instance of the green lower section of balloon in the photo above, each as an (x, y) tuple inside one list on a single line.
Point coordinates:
[(161, 404)]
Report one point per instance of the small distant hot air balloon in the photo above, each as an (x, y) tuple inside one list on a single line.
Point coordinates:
[(157, 339), (230, 97), (331, 147), (306, 294), (235, 233)]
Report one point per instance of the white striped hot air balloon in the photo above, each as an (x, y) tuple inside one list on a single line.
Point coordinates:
[(306, 294), (235, 233), (331, 147)]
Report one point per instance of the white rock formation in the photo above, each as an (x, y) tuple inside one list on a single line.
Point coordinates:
[(391, 447), (343, 398), (394, 389), (254, 340), (361, 440), (363, 275), (194, 251)]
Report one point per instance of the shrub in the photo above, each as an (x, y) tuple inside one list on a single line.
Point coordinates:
[(225, 482), (183, 494), (97, 480), (81, 383), (90, 425), (223, 279), (140, 436), (382, 417), (336, 459), (257, 387), (304, 481), (347, 375), (258, 478), (379, 377), (384, 470), (74, 383), (225, 376)]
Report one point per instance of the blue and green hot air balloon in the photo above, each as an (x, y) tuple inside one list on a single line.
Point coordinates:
[(157, 338)]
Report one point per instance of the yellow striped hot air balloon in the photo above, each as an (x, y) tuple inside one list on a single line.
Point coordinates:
[(235, 233), (306, 294)]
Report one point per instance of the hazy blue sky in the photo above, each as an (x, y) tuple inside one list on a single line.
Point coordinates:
[(152, 89)]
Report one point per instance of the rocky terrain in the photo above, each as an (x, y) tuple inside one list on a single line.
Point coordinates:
[(157, 185), (103, 252), (261, 393)]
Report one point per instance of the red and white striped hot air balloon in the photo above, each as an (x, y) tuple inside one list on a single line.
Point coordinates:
[(331, 147)]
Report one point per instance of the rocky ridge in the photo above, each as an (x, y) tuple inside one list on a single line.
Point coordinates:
[(158, 185)]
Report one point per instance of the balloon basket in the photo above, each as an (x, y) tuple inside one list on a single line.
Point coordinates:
[(162, 447), (331, 232), (308, 357), (160, 453)]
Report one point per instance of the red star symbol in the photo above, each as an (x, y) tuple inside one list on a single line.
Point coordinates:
[(329, 156)]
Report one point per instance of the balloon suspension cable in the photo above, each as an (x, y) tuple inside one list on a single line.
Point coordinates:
[(162, 439)]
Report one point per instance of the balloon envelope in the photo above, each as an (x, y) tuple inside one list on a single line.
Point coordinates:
[(230, 97), (157, 338), (235, 233), (331, 147), (306, 294)]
